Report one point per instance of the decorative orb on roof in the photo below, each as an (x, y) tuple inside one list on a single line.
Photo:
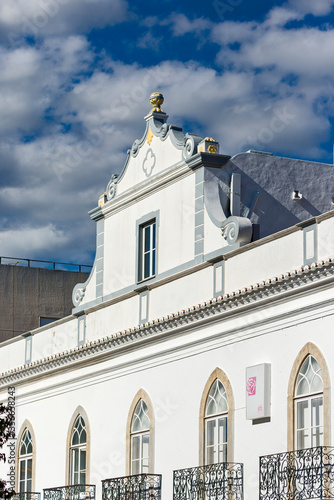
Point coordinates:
[(156, 99)]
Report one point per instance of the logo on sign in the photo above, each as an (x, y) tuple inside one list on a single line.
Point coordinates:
[(251, 386)]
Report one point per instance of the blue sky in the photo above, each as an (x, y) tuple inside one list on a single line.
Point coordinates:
[(75, 80)]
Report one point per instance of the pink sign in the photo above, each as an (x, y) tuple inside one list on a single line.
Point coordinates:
[(251, 386)]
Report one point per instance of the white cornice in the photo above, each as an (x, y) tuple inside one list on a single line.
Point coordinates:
[(258, 294), (143, 189)]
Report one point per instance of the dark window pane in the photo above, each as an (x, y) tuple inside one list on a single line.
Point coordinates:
[(153, 262), (29, 468), (83, 460), (46, 321), (153, 239), (83, 437), (146, 265), (75, 437), (147, 231), (22, 470)]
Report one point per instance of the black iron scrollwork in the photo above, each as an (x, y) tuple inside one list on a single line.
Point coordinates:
[(31, 495), (136, 487), (300, 475), (73, 492), (222, 481)]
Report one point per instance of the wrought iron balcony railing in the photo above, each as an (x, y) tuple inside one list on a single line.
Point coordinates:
[(222, 481), (136, 487), (298, 475), (73, 492), (31, 495)]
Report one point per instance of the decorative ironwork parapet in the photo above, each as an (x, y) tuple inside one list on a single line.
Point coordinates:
[(73, 492), (222, 481), (136, 487), (31, 495), (299, 475)]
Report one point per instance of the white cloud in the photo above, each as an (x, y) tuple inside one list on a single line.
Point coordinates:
[(182, 25), (57, 17), (31, 240), (315, 7), (280, 16), (149, 41), (33, 79), (297, 10)]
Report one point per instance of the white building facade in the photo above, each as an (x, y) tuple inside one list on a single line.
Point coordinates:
[(201, 341)]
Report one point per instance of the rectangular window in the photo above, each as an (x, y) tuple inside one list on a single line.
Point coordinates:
[(46, 321), (216, 440), (140, 451), (309, 422), (147, 250), (78, 466)]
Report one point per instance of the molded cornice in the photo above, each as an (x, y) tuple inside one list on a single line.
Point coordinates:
[(275, 288)]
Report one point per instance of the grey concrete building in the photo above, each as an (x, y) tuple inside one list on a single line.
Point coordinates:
[(31, 297)]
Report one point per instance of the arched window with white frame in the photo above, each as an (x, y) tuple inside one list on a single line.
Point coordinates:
[(308, 404), (78, 452), (25, 462), (140, 439), (216, 424)]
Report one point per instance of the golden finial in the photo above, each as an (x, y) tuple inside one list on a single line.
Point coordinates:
[(156, 99)]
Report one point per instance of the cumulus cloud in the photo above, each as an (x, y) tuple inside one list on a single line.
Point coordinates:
[(24, 97), (182, 25), (304, 51), (38, 18), (40, 239), (317, 8)]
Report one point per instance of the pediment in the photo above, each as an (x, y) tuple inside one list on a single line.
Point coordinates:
[(162, 146)]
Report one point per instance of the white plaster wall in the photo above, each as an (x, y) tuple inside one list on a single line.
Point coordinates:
[(166, 155), (120, 248), (326, 239), (213, 238), (177, 219), (12, 354), (180, 294), (264, 261), (112, 319), (55, 339), (175, 234), (90, 292)]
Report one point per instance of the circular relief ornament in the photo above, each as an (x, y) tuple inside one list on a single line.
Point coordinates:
[(164, 131), (135, 147), (112, 187), (149, 162)]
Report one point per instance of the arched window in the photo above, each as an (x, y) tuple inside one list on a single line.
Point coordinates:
[(140, 439), (25, 462), (78, 452), (309, 414), (216, 410), (216, 420)]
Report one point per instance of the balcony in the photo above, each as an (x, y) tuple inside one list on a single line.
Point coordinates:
[(137, 487), (298, 475), (31, 495), (210, 482), (74, 492)]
